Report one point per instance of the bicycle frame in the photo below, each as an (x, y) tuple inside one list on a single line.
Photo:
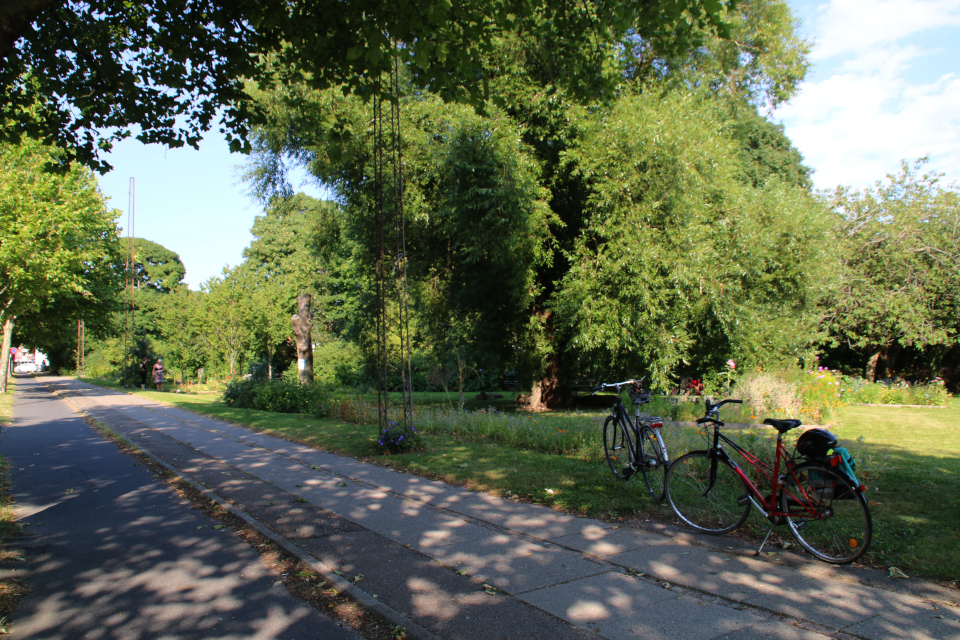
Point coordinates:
[(619, 411), (773, 476)]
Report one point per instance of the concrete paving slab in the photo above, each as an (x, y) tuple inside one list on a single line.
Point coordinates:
[(774, 628), (832, 603), (610, 541), (452, 606), (516, 565), (618, 606), (530, 519), (916, 621), (736, 577)]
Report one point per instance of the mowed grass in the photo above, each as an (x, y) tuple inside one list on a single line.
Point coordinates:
[(909, 458)]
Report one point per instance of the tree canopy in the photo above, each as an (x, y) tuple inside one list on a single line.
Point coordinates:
[(899, 251), (59, 247), (168, 68)]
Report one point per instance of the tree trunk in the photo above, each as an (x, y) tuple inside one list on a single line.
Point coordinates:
[(871, 372), (549, 392), (301, 332), (5, 356), (889, 360)]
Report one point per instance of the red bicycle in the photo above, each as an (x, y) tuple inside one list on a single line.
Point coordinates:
[(821, 503)]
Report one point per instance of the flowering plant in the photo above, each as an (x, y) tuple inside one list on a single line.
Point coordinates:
[(397, 438)]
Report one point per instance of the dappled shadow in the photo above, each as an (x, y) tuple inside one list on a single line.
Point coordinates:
[(108, 552)]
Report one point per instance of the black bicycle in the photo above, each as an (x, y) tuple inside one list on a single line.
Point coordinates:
[(634, 446)]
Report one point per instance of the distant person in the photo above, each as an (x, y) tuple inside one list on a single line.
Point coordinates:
[(158, 374), (144, 370)]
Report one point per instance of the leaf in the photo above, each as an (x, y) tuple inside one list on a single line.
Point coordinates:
[(897, 573)]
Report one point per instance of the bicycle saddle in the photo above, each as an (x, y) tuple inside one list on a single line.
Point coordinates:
[(782, 425)]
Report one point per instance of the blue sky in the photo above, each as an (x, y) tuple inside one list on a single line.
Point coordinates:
[(884, 87)]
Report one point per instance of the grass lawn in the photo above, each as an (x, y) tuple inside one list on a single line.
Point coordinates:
[(908, 457), (8, 525)]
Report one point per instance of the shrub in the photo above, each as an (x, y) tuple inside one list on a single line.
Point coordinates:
[(285, 396), (900, 392), (398, 438), (770, 396)]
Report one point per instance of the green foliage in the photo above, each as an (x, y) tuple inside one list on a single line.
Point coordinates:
[(156, 267), (283, 396), (760, 61), (680, 260), (99, 66), (858, 391), (899, 251), (59, 249)]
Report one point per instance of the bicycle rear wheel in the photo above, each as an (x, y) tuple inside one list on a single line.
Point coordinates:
[(653, 461), (828, 516), (618, 448), (708, 502)]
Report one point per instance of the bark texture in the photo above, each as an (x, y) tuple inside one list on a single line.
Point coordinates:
[(302, 327)]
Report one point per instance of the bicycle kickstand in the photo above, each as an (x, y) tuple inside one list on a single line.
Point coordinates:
[(765, 538)]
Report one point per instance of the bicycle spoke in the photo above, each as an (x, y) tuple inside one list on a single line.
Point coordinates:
[(618, 448), (828, 517), (711, 507), (653, 462)]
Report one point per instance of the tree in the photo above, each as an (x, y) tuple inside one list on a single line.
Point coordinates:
[(760, 60), (299, 248), (169, 67), (224, 317), (156, 267), (899, 251), (59, 248), (527, 153), (681, 260)]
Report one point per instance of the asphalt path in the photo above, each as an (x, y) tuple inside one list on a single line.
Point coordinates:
[(109, 551)]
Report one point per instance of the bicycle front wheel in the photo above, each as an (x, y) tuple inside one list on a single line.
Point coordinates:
[(653, 461), (828, 516), (618, 448), (706, 493)]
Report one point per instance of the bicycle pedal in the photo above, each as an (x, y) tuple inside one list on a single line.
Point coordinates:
[(744, 499)]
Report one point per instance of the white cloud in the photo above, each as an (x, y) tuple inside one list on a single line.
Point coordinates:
[(856, 124), (845, 27)]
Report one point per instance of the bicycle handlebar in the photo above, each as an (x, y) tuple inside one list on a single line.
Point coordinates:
[(713, 408), (612, 385)]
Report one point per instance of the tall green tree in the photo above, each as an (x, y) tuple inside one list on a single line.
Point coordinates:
[(156, 267), (59, 249), (682, 261), (528, 156), (899, 254), (226, 318)]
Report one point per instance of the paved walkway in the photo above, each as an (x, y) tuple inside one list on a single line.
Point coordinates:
[(448, 563), (110, 552)]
